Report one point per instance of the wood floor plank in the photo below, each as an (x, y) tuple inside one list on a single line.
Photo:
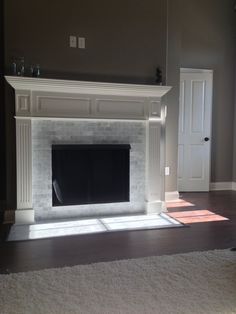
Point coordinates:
[(85, 249)]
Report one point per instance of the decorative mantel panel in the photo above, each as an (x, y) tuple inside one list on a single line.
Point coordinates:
[(47, 99)]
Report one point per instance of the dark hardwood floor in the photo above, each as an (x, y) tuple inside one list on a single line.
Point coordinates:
[(84, 249)]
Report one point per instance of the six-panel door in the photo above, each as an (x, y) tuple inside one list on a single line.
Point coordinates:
[(194, 130)]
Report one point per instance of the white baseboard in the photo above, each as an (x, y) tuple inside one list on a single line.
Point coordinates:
[(172, 196), (223, 186), (214, 186)]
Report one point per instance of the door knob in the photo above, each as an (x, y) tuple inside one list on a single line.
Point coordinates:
[(206, 139)]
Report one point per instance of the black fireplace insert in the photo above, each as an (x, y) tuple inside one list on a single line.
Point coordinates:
[(90, 174)]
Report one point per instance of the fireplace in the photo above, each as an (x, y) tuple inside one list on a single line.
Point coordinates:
[(90, 174), (55, 114)]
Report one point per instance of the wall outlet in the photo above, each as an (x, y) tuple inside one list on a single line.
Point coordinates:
[(73, 41), (81, 42), (167, 171)]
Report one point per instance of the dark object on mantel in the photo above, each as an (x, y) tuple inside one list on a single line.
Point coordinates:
[(158, 76), (90, 174), (19, 68), (35, 70)]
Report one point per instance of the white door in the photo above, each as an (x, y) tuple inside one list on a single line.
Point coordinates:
[(195, 111)]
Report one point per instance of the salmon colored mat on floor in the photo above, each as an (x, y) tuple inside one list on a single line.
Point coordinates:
[(195, 216)]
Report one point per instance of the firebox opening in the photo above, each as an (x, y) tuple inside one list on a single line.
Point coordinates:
[(90, 174)]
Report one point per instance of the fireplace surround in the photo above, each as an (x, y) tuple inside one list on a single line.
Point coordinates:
[(46, 133), (56, 112)]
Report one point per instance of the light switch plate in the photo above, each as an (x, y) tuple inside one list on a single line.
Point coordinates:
[(81, 42), (73, 41)]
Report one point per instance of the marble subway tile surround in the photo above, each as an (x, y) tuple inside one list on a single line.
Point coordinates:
[(45, 133)]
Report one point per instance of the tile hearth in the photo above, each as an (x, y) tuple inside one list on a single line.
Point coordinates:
[(90, 226)]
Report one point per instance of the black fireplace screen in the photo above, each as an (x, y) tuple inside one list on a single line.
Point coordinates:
[(90, 174)]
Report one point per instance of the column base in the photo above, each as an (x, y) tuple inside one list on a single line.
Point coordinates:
[(24, 216), (155, 207)]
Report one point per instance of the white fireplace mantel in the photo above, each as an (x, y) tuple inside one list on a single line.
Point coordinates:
[(78, 87), (75, 99), (37, 98)]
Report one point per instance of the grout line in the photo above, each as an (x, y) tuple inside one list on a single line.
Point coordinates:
[(103, 224)]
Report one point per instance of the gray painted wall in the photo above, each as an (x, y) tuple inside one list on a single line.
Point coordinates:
[(173, 66), (208, 41), (126, 40), (202, 35), (234, 144)]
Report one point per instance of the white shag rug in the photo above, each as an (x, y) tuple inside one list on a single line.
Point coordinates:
[(199, 282)]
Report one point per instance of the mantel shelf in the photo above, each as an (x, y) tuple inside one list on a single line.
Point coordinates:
[(49, 98), (79, 87)]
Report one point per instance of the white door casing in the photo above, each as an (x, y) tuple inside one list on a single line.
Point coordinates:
[(195, 115)]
